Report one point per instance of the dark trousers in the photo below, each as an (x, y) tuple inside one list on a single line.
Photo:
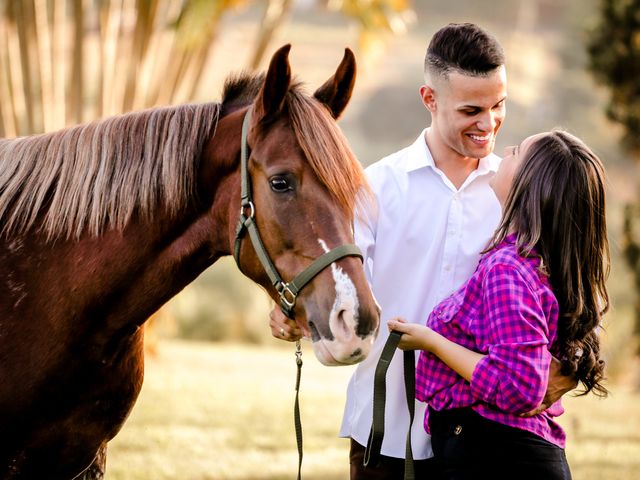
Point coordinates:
[(389, 468), (468, 446)]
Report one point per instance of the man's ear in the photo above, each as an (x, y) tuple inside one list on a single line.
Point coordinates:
[(428, 98)]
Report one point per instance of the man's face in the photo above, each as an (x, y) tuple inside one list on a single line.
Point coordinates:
[(468, 111)]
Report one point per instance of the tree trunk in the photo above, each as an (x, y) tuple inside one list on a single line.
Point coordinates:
[(631, 251), (275, 13)]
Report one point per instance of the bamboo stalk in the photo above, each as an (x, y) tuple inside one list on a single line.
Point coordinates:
[(123, 56), (25, 63), (76, 86), (184, 48), (145, 20), (193, 74), (43, 38), (275, 13), (2, 134), (144, 76), (59, 65), (7, 109), (102, 14), (196, 54), (171, 72), (33, 53), (110, 23), (148, 52), (16, 79), (160, 55)]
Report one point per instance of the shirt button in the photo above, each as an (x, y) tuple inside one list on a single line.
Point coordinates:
[(457, 430)]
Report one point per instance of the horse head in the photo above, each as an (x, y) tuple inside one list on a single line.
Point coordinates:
[(305, 183)]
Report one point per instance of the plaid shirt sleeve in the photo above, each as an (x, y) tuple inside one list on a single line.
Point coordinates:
[(513, 376)]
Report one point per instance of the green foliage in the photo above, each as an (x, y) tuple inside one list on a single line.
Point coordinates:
[(614, 53)]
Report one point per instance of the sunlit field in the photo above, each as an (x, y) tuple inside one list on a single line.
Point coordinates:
[(211, 411)]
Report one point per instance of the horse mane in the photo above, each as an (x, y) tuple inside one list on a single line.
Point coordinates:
[(94, 176), (328, 151), (241, 89)]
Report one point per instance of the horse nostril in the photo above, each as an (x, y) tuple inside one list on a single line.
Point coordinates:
[(342, 324), (315, 335)]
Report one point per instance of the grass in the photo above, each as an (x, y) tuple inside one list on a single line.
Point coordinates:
[(603, 435), (226, 412)]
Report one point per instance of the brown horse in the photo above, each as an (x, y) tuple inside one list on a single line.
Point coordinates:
[(102, 223)]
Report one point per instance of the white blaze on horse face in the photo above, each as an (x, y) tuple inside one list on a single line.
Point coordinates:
[(346, 347)]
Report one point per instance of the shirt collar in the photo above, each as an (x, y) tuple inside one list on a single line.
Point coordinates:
[(419, 154), (511, 239), (420, 157)]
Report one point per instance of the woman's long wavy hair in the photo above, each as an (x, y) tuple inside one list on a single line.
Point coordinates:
[(556, 206)]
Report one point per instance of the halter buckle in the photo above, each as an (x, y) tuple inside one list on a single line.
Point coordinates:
[(287, 297)]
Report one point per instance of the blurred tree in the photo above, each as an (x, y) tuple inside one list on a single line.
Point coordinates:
[(275, 13), (614, 53), (63, 62), (376, 19)]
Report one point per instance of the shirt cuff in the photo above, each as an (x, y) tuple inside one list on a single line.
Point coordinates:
[(484, 381)]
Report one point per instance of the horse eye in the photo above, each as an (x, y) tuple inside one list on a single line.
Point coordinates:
[(280, 184)]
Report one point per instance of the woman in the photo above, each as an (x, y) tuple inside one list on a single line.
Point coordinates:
[(539, 291)]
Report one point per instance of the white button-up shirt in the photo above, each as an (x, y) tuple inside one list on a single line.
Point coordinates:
[(421, 241)]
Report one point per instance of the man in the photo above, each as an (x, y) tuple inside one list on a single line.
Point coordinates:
[(434, 213)]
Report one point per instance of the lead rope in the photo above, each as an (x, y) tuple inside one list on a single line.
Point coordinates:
[(376, 435), (296, 407)]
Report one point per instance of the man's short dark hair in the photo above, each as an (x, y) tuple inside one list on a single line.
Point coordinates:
[(465, 48)]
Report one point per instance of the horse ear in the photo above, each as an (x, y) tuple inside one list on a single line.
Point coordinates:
[(336, 92), (276, 83)]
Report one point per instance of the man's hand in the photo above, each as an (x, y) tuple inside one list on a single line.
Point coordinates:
[(283, 327), (558, 385)]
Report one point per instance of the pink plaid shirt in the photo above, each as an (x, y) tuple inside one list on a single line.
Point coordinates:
[(507, 311)]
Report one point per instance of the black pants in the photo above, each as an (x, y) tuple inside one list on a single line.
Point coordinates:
[(468, 446), (389, 468)]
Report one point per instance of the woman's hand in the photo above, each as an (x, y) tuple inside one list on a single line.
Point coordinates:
[(414, 336), (557, 386), (418, 337)]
